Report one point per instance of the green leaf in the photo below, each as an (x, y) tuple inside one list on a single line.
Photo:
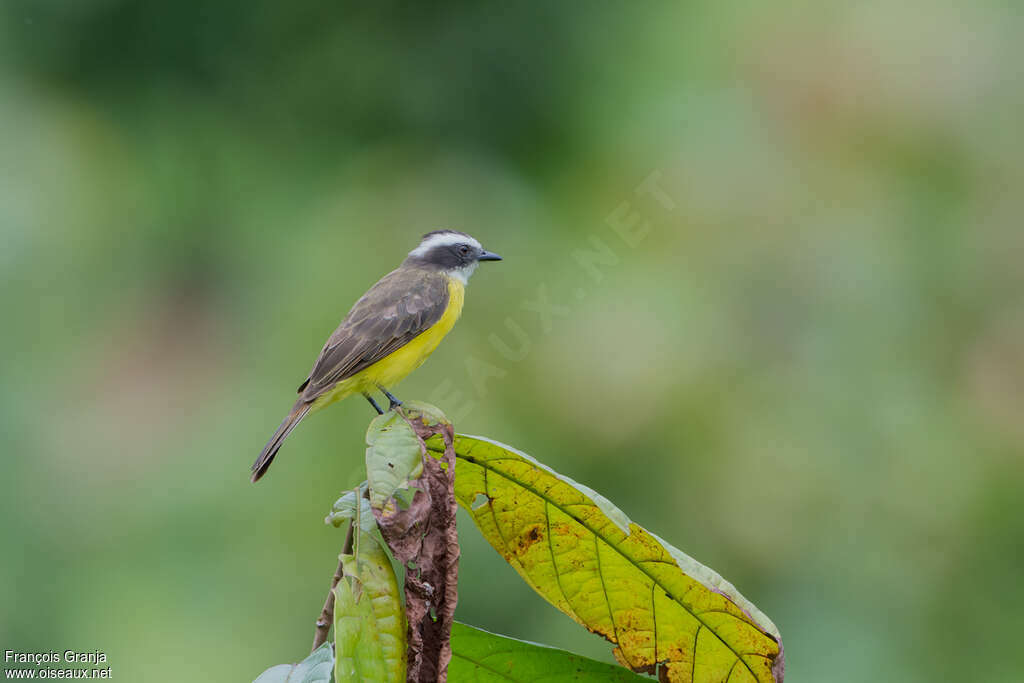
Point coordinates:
[(369, 623), (345, 510), (482, 657), (394, 458), (316, 668), (583, 555)]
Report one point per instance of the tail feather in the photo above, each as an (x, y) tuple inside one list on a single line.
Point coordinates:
[(262, 463)]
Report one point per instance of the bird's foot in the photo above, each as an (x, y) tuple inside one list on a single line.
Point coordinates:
[(394, 403)]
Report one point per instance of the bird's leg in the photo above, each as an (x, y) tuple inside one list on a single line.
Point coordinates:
[(395, 403), (373, 403)]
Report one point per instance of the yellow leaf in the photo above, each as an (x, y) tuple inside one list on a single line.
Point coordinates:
[(583, 555)]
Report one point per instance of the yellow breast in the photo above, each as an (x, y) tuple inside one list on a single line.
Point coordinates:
[(392, 369)]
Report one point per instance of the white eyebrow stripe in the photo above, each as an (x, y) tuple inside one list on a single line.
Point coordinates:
[(443, 239)]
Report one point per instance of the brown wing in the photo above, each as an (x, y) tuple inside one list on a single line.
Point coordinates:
[(403, 304)]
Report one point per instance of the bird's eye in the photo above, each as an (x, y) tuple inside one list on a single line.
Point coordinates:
[(463, 250)]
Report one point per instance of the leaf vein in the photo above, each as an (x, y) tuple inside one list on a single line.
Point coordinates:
[(654, 619), (607, 600), (494, 515), (693, 660), (482, 666), (554, 562)]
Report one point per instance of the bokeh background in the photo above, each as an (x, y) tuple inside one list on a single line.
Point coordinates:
[(809, 374)]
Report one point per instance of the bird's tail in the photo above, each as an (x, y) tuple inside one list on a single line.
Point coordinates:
[(262, 463)]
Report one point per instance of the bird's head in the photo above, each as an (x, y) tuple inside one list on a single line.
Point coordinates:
[(453, 252)]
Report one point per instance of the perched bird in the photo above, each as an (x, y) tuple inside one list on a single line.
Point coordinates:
[(389, 332)]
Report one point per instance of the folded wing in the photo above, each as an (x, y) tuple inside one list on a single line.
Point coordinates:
[(401, 306)]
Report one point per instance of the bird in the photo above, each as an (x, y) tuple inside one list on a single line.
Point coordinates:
[(390, 331)]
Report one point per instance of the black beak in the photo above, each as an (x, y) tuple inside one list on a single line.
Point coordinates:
[(489, 256)]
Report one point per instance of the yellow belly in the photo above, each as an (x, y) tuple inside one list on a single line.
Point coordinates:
[(393, 368)]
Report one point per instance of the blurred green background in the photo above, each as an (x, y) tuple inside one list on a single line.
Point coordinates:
[(809, 375)]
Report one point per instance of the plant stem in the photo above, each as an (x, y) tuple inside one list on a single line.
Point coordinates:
[(323, 624)]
